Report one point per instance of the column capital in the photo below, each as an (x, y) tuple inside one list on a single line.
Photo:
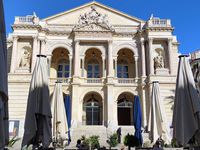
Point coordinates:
[(35, 37), (110, 41), (142, 40), (70, 56), (170, 39), (115, 57), (150, 39), (136, 58), (82, 56), (15, 37), (43, 41), (76, 41)]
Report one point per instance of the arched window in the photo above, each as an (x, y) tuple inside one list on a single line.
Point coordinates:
[(122, 69), (93, 69), (63, 69), (92, 109)]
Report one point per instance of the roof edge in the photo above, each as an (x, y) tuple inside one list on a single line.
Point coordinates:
[(98, 4)]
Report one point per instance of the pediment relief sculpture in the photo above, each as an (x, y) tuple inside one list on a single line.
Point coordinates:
[(93, 21), (25, 58)]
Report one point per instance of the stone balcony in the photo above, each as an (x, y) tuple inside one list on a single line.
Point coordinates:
[(157, 22), (28, 20), (96, 81)]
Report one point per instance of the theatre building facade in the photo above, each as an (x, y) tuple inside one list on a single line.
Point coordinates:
[(103, 57)]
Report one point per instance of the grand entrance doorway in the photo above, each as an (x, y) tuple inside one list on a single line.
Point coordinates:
[(125, 109)]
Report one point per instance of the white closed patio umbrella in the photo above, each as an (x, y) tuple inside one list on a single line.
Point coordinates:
[(59, 119), (186, 115), (37, 127), (4, 134), (157, 124)]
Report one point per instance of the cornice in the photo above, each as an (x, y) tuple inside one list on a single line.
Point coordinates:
[(26, 26), (158, 29)]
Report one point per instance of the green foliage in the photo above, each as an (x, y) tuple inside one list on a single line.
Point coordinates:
[(113, 140), (131, 141), (174, 143), (13, 141), (85, 142), (94, 142)]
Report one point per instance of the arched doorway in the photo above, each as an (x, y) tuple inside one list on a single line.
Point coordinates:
[(92, 109), (125, 109)]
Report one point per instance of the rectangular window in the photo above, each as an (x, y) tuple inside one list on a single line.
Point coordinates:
[(60, 67), (59, 74), (66, 67)]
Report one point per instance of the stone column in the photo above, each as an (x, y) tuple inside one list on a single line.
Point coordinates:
[(170, 54), (136, 66), (43, 47), (83, 64), (111, 108), (49, 64), (76, 59), (14, 55), (115, 66), (34, 53), (143, 62), (103, 66), (110, 59), (70, 66), (151, 64)]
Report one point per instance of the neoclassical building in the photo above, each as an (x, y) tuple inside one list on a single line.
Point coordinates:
[(103, 57)]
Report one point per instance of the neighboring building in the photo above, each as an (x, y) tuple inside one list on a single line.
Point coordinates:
[(103, 57), (195, 66)]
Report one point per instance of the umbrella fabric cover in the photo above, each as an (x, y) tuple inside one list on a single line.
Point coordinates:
[(59, 121), (4, 134), (156, 124), (137, 114), (38, 113), (187, 104), (68, 113)]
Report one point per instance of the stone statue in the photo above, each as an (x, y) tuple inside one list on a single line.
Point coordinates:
[(25, 60), (158, 61)]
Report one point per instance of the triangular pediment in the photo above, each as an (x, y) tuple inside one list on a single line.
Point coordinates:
[(114, 17)]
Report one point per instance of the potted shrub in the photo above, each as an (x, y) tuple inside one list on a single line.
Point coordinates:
[(131, 141), (112, 140), (94, 142)]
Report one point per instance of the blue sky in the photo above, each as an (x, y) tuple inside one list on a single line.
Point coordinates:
[(184, 14)]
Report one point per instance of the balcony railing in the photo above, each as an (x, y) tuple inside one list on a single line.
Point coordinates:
[(157, 22), (27, 20), (93, 80), (126, 80), (62, 80)]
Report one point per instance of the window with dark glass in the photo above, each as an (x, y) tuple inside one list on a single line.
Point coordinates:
[(122, 69), (63, 70), (93, 70), (92, 110)]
